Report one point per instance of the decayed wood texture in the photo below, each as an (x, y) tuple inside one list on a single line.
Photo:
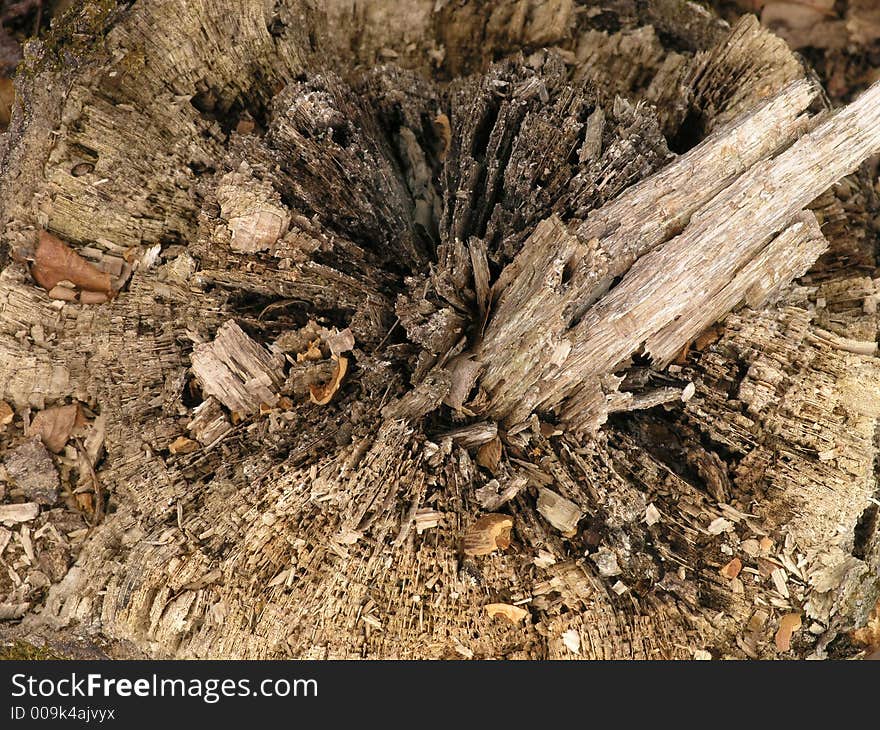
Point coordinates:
[(385, 309)]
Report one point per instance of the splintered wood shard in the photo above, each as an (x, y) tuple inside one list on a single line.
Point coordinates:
[(237, 371), (691, 243)]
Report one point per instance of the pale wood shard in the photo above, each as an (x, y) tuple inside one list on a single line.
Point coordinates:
[(253, 213), (209, 421), (786, 257), (23, 512), (426, 518), (560, 512), (237, 371), (473, 435), (544, 343)]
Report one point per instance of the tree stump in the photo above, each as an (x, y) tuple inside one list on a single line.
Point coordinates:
[(513, 328)]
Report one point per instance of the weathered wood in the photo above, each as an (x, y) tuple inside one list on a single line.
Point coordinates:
[(312, 515)]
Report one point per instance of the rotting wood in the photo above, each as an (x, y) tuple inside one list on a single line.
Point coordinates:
[(586, 343), (236, 370), (297, 507)]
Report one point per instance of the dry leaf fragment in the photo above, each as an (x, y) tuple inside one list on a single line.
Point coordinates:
[(488, 534), (323, 394), (55, 261), (788, 624), (514, 614), (732, 569), (183, 445), (489, 454), (56, 425)]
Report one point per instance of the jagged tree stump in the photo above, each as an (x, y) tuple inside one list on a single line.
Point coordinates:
[(527, 329)]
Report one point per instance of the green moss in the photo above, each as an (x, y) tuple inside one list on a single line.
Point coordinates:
[(21, 650), (74, 36)]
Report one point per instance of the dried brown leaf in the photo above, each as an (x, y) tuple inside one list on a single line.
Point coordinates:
[(443, 129), (6, 414), (7, 99), (788, 624), (488, 534), (55, 261), (732, 569), (489, 454), (323, 394), (514, 614), (183, 445), (56, 425)]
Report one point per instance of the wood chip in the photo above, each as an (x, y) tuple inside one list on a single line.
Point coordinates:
[(24, 512), (514, 614), (183, 445), (209, 421), (55, 261), (572, 641), (489, 454), (766, 544), (732, 569), (340, 341), (560, 512), (750, 547), (719, 525), (322, 394), (620, 588), (652, 515), (780, 577), (488, 534), (788, 624), (427, 518), (239, 372)]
